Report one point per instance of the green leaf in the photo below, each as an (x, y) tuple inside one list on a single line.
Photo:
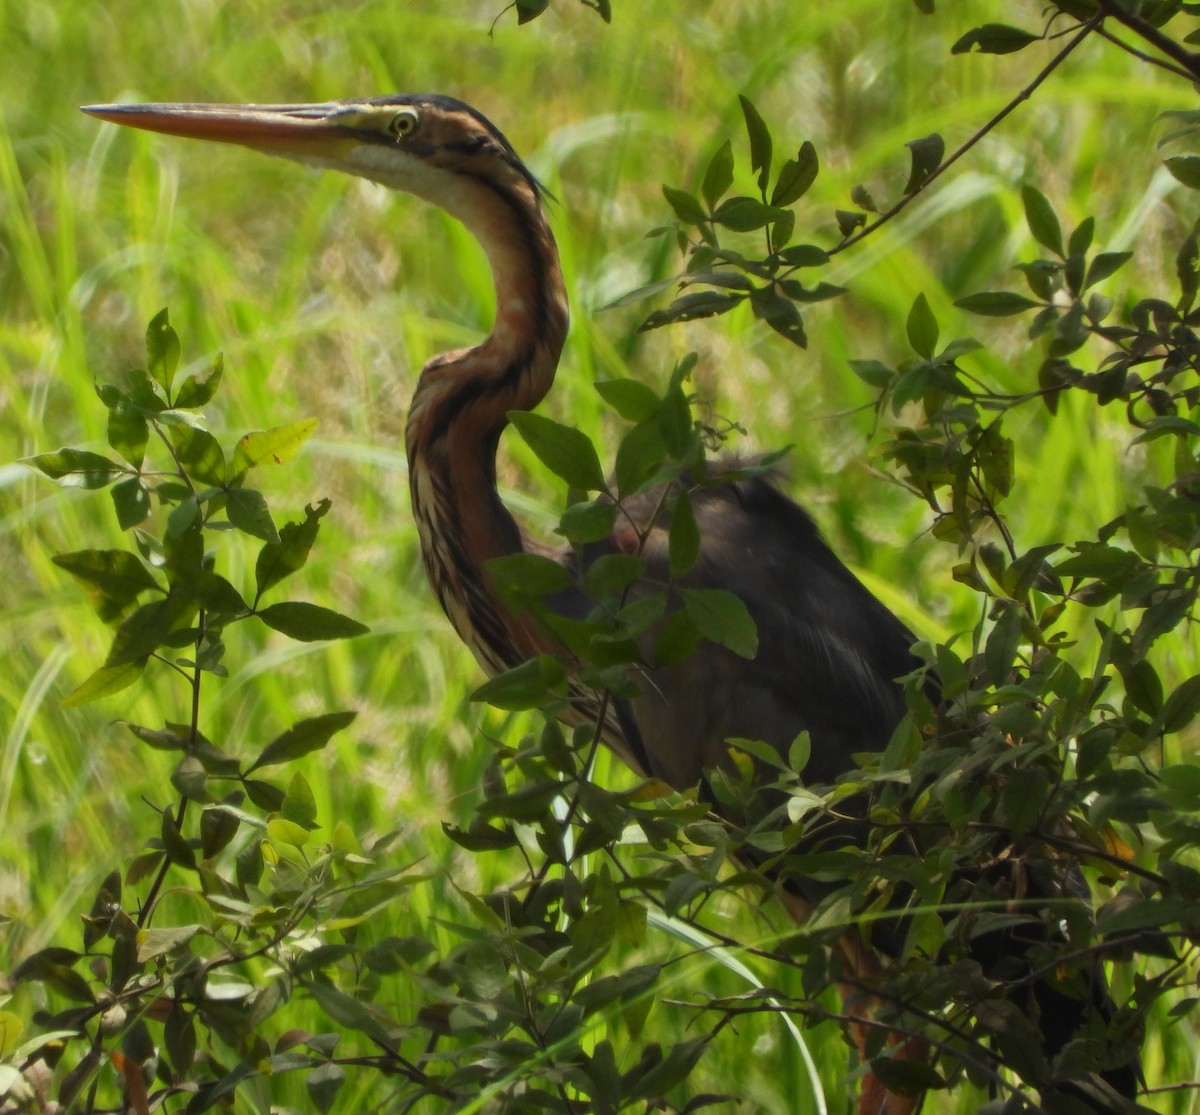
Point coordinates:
[(199, 451), (300, 804), (927, 155), (796, 176), (248, 511), (686, 207), (760, 142), (633, 401), (302, 738), (128, 432), (309, 622), (722, 618), (104, 682), (162, 350), (996, 303), (684, 540), (1104, 265), (325, 1081), (994, 38), (276, 445), (861, 197), (804, 255), (1185, 169), (1081, 239), (566, 451), (780, 314), (639, 457), (689, 307), (718, 177), (849, 222), (77, 468), (116, 577), (131, 501), (146, 629), (922, 328), (197, 390), (280, 559), (1040, 216), (530, 575), (526, 686), (745, 214), (587, 522)]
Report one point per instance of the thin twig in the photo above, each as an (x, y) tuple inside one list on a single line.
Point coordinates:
[(1185, 58), (991, 125)]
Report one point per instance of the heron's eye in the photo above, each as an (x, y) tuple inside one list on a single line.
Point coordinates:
[(404, 123)]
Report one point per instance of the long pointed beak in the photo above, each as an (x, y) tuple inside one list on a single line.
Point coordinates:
[(301, 130)]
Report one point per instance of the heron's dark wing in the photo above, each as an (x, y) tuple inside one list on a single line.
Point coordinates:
[(828, 655)]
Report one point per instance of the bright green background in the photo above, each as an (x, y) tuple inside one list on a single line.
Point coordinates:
[(327, 295)]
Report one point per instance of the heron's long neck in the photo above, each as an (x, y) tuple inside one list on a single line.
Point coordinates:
[(459, 410)]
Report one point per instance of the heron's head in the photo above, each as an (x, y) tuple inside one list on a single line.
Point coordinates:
[(435, 147)]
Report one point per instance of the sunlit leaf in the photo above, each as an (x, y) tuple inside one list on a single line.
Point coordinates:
[(565, 450)]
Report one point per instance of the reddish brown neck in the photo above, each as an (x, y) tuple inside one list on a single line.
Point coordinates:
[(460, 408)]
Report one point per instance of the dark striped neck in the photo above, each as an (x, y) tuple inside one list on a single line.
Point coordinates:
[(459, 410)]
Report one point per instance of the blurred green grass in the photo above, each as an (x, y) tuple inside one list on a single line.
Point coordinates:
[(327, 295)]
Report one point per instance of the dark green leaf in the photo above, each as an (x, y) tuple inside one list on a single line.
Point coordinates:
[(632, 400), (324, 1082), (994, 38), (922, 328), (1040, 216), (530, 575), (565, 450), (195, 391), (1182, 706), (198, 450), (528, 10), (309, 622), (128, 432), (131, 501), (277, 560), (77, 468), (248, 511), (780, 314), (861, 197), (1185, 169), (848, 222), (722, 618), (688, 307), (927, 155), (745, 214), (684, 543), (1104, 265), (526, 686), (804, 255), (686, 207), (115, 576), (718, 177), (1081, 239), (162, 350), (760, 142), (640, 457), (302, 738), (996, 303), (610, 574), (587, 522), (796, 176)]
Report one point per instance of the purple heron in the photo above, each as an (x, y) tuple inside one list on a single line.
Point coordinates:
[(829, 652)]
